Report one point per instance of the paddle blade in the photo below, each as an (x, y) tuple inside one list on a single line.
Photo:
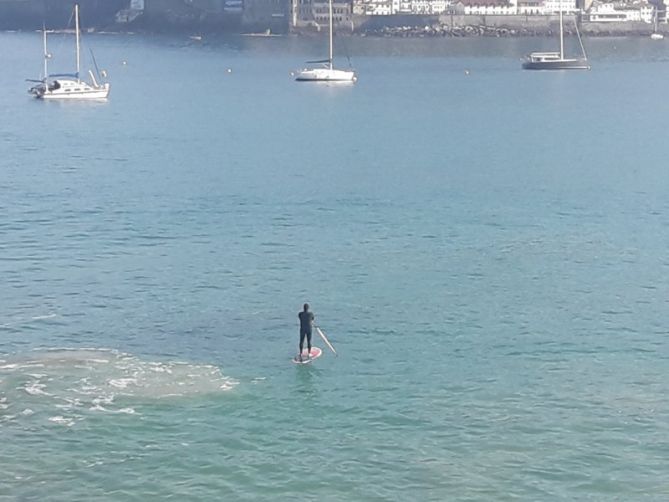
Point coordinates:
[(325, 339)]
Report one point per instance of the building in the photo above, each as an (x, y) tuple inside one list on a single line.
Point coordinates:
[(428, 7), (596, 10), (619, 13), (393, 7), (404, 7), (564, 6), (531, 7), (375, 7), (316, 14), (485, 7)]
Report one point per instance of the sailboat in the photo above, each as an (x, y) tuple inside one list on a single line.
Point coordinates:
[(327, 72), (556, 60), (68, 85), (655, 35)]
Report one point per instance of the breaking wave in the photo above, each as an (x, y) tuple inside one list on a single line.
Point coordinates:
[(70, 384)]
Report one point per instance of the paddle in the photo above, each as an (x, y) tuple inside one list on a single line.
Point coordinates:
[(325, 339)]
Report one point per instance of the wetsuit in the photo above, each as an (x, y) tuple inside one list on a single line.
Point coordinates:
[(306, 318)]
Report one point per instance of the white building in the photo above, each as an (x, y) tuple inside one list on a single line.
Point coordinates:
[(374, 7), (391, 7), (486, 7), (555, 6), (531, 7), (620, 13), (440, 6), (427, 7), (404, 7), (639, 11)]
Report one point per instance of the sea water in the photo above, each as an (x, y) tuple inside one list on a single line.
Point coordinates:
[(485, 247)]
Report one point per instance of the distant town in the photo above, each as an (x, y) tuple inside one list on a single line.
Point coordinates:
[(363, 17)]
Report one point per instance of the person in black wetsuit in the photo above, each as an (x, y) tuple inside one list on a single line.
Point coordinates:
[(306, 321)]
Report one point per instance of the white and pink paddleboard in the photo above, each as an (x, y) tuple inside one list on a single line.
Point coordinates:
[(307, 357)]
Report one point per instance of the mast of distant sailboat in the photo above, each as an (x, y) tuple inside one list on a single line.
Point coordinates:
[(561, 37), (331, 55), (76, 31), (46, 56)]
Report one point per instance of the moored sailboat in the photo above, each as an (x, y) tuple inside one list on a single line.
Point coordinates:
[(327, 72), (656, 35), (68, 85), (556, 60)]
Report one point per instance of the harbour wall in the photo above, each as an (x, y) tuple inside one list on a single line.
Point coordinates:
[(495, 26)]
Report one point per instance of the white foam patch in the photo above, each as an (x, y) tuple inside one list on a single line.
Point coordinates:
[(41, 317), (68, 422), (94, 381), (23, 320), (122, 383), (35, 388)]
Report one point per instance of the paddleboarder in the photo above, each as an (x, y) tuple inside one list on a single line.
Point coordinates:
[(306, 322)]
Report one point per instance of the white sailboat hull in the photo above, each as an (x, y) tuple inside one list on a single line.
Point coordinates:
[(71, 90), (553, 61), (325, 75)]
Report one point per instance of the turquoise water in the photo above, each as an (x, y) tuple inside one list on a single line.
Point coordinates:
[(487, 250)]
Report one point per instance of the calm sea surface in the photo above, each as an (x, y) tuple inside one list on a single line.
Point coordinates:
[(487, 248)]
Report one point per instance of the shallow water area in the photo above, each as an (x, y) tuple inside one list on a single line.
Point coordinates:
[(485, 247), (73, 383)]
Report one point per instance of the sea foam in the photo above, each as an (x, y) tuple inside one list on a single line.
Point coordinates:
[(89, 381)]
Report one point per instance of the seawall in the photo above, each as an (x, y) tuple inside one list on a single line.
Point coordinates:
[(495, 26)]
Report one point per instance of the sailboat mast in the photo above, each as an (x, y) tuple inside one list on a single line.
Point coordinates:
[(331, 41), (561, 37), (76, 29), (46, 57)]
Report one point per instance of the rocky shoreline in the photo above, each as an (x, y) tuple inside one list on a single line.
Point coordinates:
[(438, 31), (405, 32), (456, 31)]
